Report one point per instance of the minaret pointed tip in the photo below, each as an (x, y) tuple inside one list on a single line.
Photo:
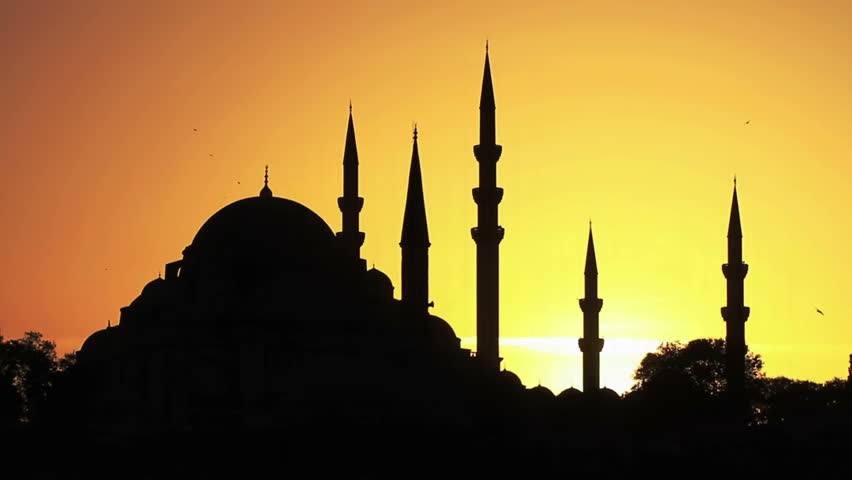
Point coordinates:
[(734, 224), (591, 258), (414, 227)]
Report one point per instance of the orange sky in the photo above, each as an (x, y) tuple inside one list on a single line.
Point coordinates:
[(631, 113)]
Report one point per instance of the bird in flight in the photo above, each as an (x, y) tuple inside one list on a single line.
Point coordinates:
[(194, 129), (747, 122), (820, 312)]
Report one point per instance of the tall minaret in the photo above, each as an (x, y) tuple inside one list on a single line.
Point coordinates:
[(735, 313), (487, 234), (350, 203), (415, 243), (590, 344)]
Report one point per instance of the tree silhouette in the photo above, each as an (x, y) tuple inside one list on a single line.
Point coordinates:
[(789, 401), (697, 367), (29, 364)]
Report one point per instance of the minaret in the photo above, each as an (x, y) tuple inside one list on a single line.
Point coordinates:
[(487, 234), (350, 203), (590, 344), (415, 243), (735, 313)]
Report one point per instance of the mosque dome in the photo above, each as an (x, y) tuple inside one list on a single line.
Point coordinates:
[(154, 293), (378, 284), (570, 394), (441, 334), (101, 344), (263, 220), (509, 380), (609, 395), (262, 234), (540, 391)]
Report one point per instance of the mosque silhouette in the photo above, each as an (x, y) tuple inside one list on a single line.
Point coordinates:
[(271, 320)]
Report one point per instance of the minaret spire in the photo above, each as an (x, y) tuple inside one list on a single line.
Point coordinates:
[(590, 344), (735, 312), (350, 203), (415, 242), (488, 233), (266, 192)]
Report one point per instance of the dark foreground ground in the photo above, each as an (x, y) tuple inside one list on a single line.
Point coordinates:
[(363, 451)]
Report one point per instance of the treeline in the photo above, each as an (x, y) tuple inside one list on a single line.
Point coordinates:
[(687, 381), (29, 371), (679, 382)]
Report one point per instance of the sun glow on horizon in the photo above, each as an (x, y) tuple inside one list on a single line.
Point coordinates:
[(562, 360)]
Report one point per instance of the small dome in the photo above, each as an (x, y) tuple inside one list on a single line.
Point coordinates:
[(100, 345), (509, 379), (541, 392), (378, 284), (441, 334), (152, 294), (570, 394), (609, 395)]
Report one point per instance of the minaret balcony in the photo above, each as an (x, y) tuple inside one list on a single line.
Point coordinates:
[(490, 196), (350, 204), (736, 313), (590, 344), (591, 305), (350, 237), (735, 271), (487, 153), (487, 235)]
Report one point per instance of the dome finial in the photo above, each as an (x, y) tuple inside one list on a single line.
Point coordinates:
[(266, 191)]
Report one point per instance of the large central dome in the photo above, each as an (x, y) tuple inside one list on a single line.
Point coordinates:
[(265, 235), (263, 220)]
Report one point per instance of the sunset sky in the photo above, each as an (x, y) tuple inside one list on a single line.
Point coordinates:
[(630, 113)]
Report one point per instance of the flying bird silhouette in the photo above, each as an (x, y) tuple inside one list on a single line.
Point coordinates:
[(194, 129), (747, 122), (820, 312)]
